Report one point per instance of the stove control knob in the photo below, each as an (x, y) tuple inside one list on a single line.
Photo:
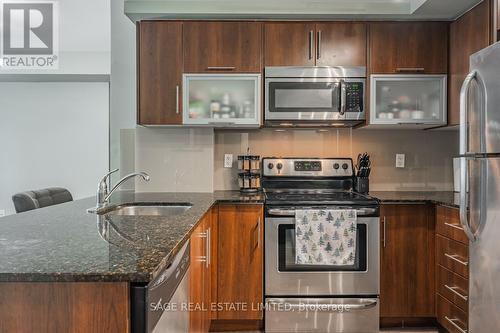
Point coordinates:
[(270, 166), (336, 166), (279, 166), (345, 166)]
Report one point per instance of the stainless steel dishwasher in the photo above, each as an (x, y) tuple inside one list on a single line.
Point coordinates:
[(160, 306)]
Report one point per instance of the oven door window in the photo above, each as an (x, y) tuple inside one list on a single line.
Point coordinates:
[(286, 252), (304, 96)]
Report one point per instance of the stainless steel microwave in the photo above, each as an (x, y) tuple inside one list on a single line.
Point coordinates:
[(315, 96)]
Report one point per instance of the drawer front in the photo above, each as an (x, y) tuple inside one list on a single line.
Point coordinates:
[(450, 316), (454, 287), (448, 224), (453, 255)]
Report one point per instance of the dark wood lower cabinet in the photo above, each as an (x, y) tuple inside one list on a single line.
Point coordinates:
[(240, 262), (452, 271), (76, 307), (407, 262)]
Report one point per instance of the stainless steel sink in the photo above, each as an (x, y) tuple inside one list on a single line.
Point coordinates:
[(145, 209)]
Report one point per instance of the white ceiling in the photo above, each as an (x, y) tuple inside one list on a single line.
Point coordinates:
[(299, 9)]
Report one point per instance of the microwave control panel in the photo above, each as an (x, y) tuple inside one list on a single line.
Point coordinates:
[(354, 96)]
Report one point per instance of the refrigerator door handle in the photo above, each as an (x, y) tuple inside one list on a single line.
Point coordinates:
[(464, 220), (464, 131), (464, 197)]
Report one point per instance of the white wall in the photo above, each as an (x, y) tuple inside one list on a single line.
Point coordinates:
[(52, 134), (123, 91)]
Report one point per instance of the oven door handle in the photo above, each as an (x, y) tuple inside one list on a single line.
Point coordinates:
[(363, 305), (291, 212)]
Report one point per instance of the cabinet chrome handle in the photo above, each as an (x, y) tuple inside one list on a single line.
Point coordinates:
[(221, 68), (205, 257), (318, 51), (454, 290), (208, 241), (384, 223), (221, 123), (456, 226), (455, 257), (410, 69), (311, 44), (177, 99), (452, 321)]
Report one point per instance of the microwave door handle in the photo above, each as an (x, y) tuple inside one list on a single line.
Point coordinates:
[(343, 97)]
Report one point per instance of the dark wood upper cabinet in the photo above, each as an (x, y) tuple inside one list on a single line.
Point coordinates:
[(309, 44), (409, 47), (222, 47), (289, 44), (407, 261), (341, 44), (469, 34), (159, 84)]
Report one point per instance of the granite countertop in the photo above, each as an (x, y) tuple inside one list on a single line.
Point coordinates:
[(65, 243), (439, 197)]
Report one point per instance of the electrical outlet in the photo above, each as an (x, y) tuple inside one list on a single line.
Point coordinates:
[(228, 160), (400, 160), (2, 212)]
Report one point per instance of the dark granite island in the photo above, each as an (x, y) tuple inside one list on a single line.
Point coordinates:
[(63, 269)]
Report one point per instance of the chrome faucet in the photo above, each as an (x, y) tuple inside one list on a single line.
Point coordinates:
[(102, 188)]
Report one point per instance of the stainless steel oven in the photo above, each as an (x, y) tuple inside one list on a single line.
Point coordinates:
[(318, 298), (301, 96), (285, 277)]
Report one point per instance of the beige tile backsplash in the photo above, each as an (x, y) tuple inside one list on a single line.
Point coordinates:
[(178, 159), (428, 153)]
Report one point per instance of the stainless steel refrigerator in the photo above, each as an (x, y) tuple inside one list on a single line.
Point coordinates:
[(480, 203)]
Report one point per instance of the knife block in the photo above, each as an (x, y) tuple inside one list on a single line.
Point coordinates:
[(362, 185)]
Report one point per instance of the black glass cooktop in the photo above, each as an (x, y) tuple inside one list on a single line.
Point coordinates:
[(325, 197)]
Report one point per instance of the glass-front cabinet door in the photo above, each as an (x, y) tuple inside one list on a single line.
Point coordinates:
[(408, 100), (222, 100)]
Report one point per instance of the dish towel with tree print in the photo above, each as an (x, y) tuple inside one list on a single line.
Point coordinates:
[(325, 237)]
